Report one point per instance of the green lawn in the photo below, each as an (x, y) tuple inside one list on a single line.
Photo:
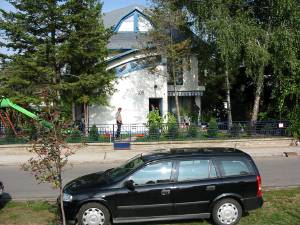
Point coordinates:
[(282, 207)]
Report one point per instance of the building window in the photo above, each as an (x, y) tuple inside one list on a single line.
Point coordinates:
[(134, 22), (127, 24), (130, 67), (174, 68)]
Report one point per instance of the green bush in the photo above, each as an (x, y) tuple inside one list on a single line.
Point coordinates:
[(213, 128), (193, 130), (294, 126), (75, 135), (235, 130), (172, 126), (10, 135), (154, 123), (93, 134), (32, 132)]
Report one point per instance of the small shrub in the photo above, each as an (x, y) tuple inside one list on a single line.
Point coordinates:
[(154, 123), (10, 135), (249, 129), (172, 126), (212, 130), (75, 135), (235, 130), (93, 134), (193, 130), (32, 131)]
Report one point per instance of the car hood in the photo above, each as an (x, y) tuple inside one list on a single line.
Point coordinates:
[(87, 182)]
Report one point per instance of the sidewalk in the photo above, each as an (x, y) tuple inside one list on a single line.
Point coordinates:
[(104, 153)]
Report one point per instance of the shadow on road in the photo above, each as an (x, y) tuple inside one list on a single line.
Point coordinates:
[(4, 199)]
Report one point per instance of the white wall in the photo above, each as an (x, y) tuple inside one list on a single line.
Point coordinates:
[(132, 94)]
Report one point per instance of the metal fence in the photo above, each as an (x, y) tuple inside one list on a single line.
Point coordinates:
[(168, 132), (165, 132)]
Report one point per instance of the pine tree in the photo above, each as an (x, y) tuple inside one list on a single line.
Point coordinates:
[(33, 33), (85, 79)]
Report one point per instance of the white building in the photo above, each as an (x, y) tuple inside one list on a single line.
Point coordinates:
[(136, 89)]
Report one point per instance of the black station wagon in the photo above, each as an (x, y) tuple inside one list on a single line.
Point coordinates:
[(186, 183)]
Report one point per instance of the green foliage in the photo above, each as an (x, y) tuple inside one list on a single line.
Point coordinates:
[(172, 126), (294, 119), (236, 130), (155, 122), (193, 130), (32, 131), (93, 134), (169, 40), (58, 46), (9, 134), (212, 130)]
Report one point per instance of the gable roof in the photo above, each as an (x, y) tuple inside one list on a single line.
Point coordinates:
[(112, 18), (123, 40)]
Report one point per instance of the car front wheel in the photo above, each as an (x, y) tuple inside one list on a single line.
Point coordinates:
[(227, 212), (93, 214)]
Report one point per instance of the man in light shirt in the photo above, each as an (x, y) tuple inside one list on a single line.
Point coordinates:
[(119, 122)]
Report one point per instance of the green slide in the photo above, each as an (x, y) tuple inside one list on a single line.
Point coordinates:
[(6, 103)]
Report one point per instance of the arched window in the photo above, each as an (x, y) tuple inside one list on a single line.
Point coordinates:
[(134, 22)]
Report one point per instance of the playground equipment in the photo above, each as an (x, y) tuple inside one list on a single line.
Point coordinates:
[(7, 103)]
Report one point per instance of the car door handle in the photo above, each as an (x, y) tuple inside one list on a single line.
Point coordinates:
[(211, 188), (165, 192)]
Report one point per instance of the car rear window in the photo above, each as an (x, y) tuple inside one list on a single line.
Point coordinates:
[(196, 170), (235, 167)]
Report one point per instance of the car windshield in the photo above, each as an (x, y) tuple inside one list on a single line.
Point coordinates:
[(126, 168)]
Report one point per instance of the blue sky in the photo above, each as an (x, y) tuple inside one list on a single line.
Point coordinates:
[(108, 4)]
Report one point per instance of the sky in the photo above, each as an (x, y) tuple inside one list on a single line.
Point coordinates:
[(109, 5)]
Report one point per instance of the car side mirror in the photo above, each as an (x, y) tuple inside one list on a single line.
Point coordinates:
[(129, 184)]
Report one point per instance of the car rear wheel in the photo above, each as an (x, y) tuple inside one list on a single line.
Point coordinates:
[(227, 212), (93, 214)]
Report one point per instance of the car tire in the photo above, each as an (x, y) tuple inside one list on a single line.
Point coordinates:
[(227, 211), (93, 214)]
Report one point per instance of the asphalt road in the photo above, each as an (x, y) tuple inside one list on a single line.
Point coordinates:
[(20, 185)]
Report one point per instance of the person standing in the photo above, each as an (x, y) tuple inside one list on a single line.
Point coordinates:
[(119, 122)]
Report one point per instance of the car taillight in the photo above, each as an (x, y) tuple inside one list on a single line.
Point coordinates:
[(259, 188)]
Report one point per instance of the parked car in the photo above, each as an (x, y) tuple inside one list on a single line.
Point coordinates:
[(198, 183), (1, 188)]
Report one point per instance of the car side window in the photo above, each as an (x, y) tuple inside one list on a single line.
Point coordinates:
[(235, 167), (196, 170), (153, 173)]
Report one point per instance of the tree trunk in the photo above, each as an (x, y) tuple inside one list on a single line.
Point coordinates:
[(62, 207), (259, 88), (176, 100), (229, 114), (177, 108), (86, 118)]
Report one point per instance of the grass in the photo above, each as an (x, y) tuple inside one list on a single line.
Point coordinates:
[(28, 213), (282, 207)]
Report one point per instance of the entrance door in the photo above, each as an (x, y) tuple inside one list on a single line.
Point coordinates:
[(155, 104)]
